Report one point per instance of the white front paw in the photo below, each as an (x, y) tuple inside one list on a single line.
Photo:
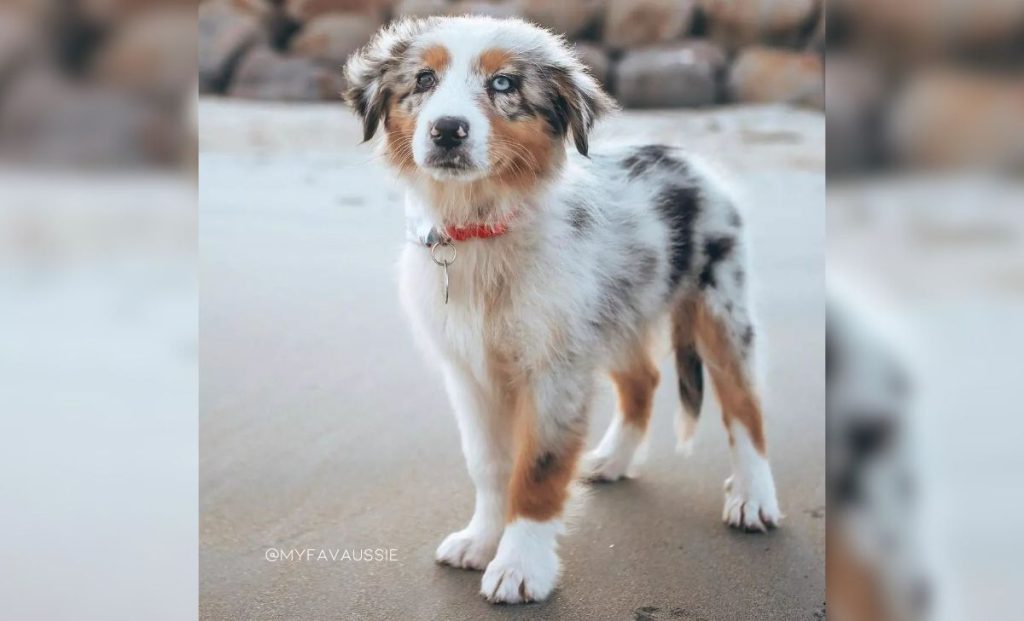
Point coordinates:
[(520, 580), (526, 566), (751, 506), (467, 549)]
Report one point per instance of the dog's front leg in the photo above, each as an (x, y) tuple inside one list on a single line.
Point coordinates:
[(550, 430), (485, 424)]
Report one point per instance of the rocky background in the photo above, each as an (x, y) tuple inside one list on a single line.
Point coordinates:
[(98, 83), (648, 53)]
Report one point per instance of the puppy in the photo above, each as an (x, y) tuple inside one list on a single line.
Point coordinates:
[(532, 268), (876, 566)]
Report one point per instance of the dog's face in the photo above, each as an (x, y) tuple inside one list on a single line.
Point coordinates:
[(470, 98)]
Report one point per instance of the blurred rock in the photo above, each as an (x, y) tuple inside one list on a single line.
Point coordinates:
[(737, 23), (49, 119), (918, 31), (333, 37), (682, 74), (224, 34), (18, 43), (306, 10), (596, 59), (277, 25), (953, 119), (766, 75), (569, 17), (265, 74), (421, 8), (645, 22), (816, 41), (152, 55), (854, 100), (114, 11), (498, 9), (262, 9)]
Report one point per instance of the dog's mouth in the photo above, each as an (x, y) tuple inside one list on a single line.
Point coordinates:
[(450, 163)]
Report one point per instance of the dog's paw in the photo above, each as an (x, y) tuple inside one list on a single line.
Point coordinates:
[(516, 579), (752, 508), (467, 549), (600, 467)]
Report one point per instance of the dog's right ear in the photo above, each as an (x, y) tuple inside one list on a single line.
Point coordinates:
[(367, 71)]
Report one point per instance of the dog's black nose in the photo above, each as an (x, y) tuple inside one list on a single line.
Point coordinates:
[(449, 131)]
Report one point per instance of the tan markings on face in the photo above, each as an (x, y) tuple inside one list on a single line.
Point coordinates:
[(539, 487), (732, 383), (635, 386), (399, 128), (522, 151), (493, 61), (437, 58)]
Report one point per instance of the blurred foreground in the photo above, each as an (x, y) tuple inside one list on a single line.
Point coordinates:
[(925, 106), (97, 396), (98, 304)]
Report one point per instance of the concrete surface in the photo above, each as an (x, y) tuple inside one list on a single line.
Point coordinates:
[(322, 428)]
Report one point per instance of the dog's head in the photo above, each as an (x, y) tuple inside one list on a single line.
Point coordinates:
[(470, 98)]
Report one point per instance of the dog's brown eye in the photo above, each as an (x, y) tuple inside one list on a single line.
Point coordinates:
[(426, 80)]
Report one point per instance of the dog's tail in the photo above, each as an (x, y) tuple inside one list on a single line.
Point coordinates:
[(690, 369)]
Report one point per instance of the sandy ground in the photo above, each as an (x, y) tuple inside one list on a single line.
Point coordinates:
[(322, 428)]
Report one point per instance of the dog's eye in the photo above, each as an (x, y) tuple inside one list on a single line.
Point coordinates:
[(501, 83), (426, 80)]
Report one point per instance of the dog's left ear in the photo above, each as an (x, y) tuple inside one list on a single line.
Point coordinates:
[(580, 101), (367, 71)]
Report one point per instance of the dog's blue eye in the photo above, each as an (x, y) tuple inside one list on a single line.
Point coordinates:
[(425, 80), (501, 84)]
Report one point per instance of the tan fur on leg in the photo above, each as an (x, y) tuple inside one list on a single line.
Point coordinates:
[(723, 355), (635, 386), (541, 476)]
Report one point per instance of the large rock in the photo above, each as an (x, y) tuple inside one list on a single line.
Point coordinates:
[(266, 74), (763, 75), (306, 10), (224, 34), (682, 74), (645, 22), (151, 55), (568, 17), (737, 23), (596, 60), (333, 37)]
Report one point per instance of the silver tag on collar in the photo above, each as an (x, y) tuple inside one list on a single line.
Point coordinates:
[(443, 254)]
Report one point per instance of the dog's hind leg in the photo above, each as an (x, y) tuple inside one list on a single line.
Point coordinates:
[(725, 338), (689, 371), (635, 377)]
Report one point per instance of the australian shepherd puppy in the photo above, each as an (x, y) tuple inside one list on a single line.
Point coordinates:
[(531, 269)]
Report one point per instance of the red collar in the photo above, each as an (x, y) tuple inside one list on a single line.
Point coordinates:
[(476, 231), (479, 230)]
